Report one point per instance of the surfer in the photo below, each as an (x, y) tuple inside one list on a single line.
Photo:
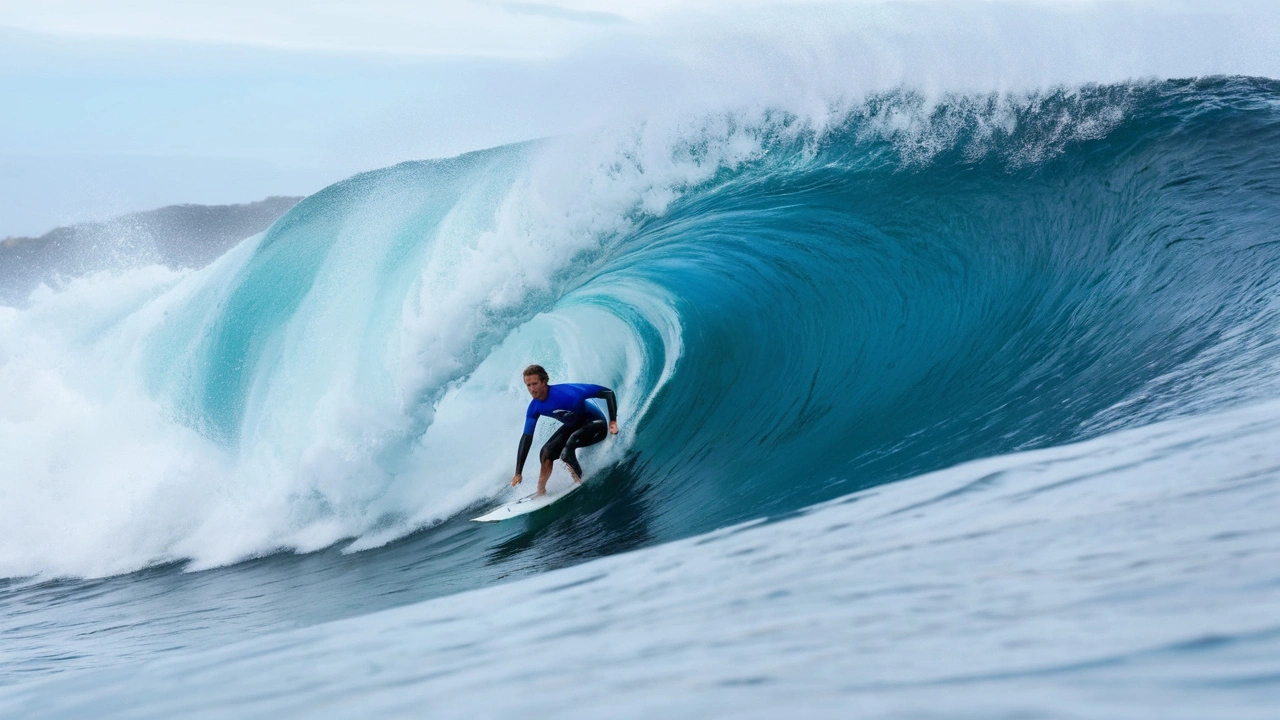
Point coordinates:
[(582, 423)]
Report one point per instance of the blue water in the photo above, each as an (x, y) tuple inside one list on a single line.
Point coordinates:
[(791, 313)]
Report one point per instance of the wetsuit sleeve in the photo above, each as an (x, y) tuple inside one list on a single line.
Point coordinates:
[(530, 420), (526, 442), (611, 400)]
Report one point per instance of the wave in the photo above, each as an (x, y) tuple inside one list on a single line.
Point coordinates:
[(790, 309)]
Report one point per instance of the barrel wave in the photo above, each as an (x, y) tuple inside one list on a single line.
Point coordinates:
[(790, 307)]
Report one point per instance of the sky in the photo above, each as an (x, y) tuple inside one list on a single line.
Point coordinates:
[(109, 107), (122, 105)]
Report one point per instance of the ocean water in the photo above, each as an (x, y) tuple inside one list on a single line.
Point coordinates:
[(957, 405), (1038, 584)]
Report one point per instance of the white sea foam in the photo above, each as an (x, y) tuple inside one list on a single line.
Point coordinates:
[(364, 415), (89, 457)]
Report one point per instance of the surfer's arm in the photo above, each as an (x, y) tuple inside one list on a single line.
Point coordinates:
[(526, 442), (522, 453), (611, 400)]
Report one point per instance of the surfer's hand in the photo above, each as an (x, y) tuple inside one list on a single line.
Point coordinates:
[(516, 480), (613, 427)]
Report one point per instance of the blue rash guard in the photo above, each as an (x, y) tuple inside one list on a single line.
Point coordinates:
[(567, 403)]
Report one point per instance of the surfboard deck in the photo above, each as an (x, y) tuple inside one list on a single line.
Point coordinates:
[(527, 504)]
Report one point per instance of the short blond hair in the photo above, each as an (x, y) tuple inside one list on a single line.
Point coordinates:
[(537, 370)]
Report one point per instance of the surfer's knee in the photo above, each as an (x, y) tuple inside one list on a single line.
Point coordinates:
[(572, 462)]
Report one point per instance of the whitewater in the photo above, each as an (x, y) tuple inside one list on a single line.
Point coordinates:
[(936, 400)]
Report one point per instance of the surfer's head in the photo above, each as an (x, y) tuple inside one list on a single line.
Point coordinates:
[(536, 378)]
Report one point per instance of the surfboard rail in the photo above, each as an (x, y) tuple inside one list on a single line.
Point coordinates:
[(527, 504)]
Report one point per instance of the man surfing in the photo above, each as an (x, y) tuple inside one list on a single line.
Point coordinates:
[(582, 423)]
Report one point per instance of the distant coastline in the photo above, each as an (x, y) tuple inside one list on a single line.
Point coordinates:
[(176, 235)]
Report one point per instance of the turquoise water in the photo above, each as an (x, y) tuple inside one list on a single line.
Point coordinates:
[(790, 313)]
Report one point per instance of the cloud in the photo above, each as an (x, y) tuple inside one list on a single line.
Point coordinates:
[(560, 13)]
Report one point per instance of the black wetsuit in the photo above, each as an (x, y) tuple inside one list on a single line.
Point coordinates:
[(583, 424)]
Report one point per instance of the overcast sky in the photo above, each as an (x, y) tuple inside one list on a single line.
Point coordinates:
[(121, 105), (118, 106)]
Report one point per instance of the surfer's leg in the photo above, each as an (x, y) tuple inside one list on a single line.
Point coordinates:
[(587, 434), (550, 451), (544, 474)]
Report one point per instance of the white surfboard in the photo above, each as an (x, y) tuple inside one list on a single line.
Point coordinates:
[(527, 504)]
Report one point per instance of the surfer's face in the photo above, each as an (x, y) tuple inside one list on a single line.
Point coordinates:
[(537, 388)]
